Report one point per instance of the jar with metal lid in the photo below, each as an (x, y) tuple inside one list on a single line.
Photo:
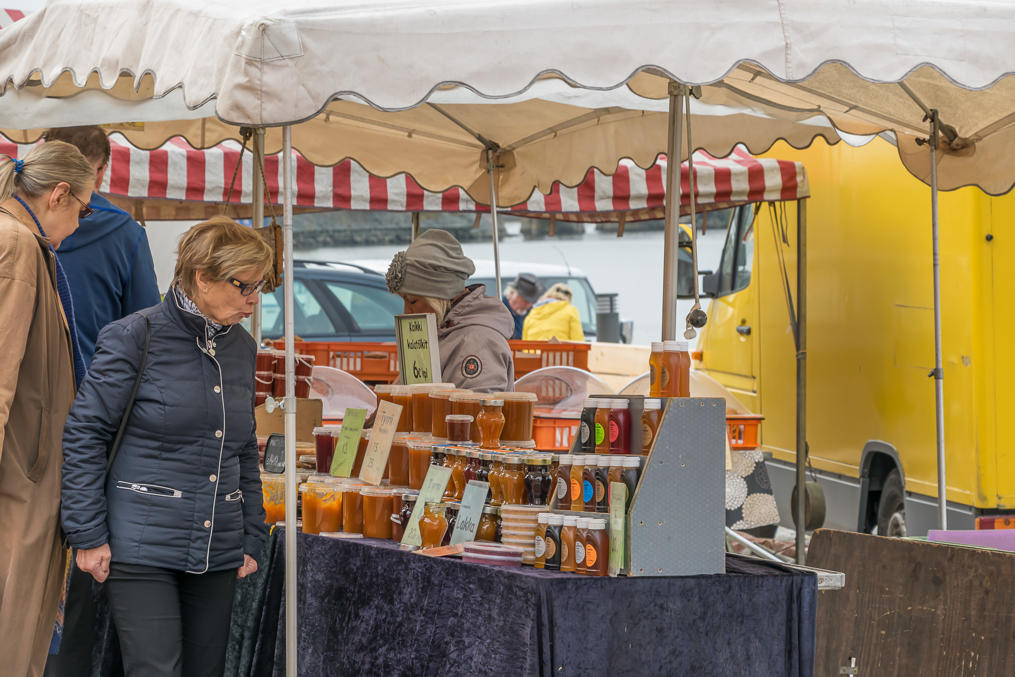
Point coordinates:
[(538, 479), (451, 514), (496, 479), (513, 480), (487, 529), (432, 525), (490, 421)]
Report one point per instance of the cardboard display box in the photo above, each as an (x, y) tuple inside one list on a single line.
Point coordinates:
[(308, 416)]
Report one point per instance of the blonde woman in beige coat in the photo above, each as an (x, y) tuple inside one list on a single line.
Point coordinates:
[(41, 198)]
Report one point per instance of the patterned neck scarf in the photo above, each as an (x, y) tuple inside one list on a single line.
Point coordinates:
[(211, 327)]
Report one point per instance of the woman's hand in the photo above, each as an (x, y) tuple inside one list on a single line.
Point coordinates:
[(249, 567), (95, 561)]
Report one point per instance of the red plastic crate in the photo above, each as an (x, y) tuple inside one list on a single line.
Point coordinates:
[(532, 355), (743, 430), (554, 433), (369, 362)]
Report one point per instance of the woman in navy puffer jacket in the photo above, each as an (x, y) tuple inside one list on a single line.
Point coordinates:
[(179, 516)]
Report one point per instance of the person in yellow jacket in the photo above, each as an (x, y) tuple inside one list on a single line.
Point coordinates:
[(553, 316)]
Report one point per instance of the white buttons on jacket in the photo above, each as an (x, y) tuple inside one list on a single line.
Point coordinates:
[(207, 524), (218, 433), (212, 478), (217, 389)]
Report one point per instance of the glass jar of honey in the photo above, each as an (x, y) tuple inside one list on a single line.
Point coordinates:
[(654, 369), (538, 479), (451, 514), (513, 480), (519, 412), (465, 402), (377, 506), (398, 460), (651, 416), (438, 455), (408, 504), (440, 407), (487, 529), (471, 466), (491, 422), (419, 462), (496, 477), (458, 462), (458, 428), (432, 525), (402, 395)]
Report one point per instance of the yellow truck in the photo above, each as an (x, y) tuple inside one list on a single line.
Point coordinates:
[(870, 341)]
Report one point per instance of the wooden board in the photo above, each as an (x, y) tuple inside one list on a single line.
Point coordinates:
[(308, 417), (913, 608)]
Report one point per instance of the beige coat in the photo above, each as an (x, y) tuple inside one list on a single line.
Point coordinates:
[(36, 391)]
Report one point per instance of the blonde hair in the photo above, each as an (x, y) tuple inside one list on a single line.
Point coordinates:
[(220, 248), (43, 167), (440, 307), (558, 292)]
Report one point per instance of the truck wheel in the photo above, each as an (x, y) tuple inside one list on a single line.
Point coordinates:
[(892, 507)]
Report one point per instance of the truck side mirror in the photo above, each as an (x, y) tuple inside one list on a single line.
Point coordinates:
[(710, 285)]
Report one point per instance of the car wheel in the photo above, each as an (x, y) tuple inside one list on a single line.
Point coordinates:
[(892, 507)]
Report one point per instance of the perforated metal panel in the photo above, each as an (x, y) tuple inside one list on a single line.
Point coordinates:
[(677, 519)]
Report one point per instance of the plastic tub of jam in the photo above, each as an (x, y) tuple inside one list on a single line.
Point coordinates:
[(273, 498), (458, 428), (466, 402), (377, 506), (383, 392), (398, 460), (402, 395), (440, 407), (490, 421), (303, 365), (519, 409), (324, 447), (352, 508), (309, 501), (419, 462), (329, 506), (361, 452), (422, 408)]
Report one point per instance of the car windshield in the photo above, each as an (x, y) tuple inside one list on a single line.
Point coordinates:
[(582, 296)]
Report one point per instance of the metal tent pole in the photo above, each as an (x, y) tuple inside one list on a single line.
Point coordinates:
[(491, 169), (801, 381), (289, 408), (938, 373), (257, 216), (671, 238)]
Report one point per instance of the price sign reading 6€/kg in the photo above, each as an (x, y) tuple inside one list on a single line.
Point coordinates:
[(419, 359)]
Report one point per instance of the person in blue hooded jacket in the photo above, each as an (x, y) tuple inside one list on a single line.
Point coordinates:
[(178, 516), (108, 261)]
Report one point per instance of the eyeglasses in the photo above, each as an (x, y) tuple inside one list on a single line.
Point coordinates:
[(247, 289), (85, 210)]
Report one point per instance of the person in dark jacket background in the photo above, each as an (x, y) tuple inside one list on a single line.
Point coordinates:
[(107, 260), (179, 516), (518, 297), (111, 274)]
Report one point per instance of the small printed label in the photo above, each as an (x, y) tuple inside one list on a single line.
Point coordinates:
[(653, 374), (614, 431), (664, 378), (591, 556), (576, 491), (585, 432), (600, 492), (579, 553), (540, 546), (551, 548), (588, 491), (561, 488), (600, 433), (563, 550)]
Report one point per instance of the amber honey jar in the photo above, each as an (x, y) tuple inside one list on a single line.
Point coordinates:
[(519, 411), (308, 498), (419, 462), (495, 478), (513, 480), (329, 506), (432, 525), (487, 529), (398, 460), (352, 508), (490, 421)]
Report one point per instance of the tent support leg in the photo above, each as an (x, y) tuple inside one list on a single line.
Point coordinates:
[(257, 217), (491, 169), (938, 373), (801, 381), (291, 631), (671, 238)]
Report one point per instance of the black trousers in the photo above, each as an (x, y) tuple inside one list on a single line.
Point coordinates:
[(171, 623)]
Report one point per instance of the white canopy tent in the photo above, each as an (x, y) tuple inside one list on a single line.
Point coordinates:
[(192, 68)]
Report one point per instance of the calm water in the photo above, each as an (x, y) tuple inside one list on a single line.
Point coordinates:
[(630, 266)]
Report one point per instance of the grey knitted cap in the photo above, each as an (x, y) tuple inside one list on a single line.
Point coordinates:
[(433, 266)]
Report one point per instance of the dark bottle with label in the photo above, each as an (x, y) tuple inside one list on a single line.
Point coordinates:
[(552, 554), (603, 484), (587, 428)]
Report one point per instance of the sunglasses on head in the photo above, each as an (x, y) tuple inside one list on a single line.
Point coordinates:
[(85, 210), (247, 289)]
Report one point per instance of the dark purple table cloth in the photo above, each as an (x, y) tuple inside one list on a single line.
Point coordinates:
[(367, 608)]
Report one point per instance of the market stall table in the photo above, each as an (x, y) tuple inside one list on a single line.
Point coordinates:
[(366, 607)]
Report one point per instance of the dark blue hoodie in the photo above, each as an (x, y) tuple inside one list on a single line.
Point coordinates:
[(109, 268)]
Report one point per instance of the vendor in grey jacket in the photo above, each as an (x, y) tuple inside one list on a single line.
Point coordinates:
[(179, 516), (472, 328)]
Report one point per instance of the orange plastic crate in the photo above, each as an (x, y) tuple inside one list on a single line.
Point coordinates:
[(743, 430), (532, 355), (369, 362), (554, 433)]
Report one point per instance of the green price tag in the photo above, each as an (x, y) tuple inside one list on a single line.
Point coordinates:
[(470, 511), (618, 527), (348, 442), (375, 460), (434, 483)]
